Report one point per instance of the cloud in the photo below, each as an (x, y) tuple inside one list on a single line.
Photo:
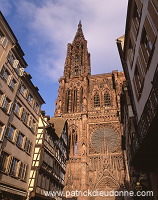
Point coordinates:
[(52, 24)]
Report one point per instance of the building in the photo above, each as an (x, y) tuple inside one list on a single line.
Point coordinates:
[(91, 105), (20, 104), (138, 52), (49, 160)]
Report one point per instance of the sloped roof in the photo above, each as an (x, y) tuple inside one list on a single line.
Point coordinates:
[(59, 123)]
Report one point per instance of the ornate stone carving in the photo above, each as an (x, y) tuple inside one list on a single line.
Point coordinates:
[(99, 161)]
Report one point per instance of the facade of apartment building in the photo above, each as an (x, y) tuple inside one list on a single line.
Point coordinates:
[(138, 52), (91, 105), (20, 104), (49, 159)]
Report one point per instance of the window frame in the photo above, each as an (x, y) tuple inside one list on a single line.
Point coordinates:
[(96, 100)]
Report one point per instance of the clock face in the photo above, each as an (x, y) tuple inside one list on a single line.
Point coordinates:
[(104, 139)]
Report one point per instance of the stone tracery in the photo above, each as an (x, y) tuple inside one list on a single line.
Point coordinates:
[(95, 159)]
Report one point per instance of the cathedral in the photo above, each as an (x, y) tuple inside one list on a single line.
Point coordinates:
[(91, 105)]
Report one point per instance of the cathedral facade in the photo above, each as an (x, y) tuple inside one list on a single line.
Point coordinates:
[(91, 105)]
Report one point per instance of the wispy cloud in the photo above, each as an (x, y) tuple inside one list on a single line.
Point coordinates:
[(52, 24)]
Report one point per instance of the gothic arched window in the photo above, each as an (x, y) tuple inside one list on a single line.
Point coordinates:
[(76, 58), (67, 101), (81, 98), (74, 142), (76, 71), (107, 100), (75, 100), (96, 100)]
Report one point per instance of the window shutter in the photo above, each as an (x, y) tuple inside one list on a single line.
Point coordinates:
[(17, 169), (9, 79), (3, 97), (30, 121), (15, 135), (23, 114), (23, 142), (10, 108), (21, 111), (26, 144), (2, 133), (9, 163)]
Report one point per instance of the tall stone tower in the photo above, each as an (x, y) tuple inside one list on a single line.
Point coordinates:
[(91, 105)]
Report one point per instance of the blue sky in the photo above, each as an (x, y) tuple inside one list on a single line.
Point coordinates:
[(43, 29)]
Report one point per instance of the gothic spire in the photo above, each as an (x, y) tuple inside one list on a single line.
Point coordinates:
[(77, 61), (79, 33)]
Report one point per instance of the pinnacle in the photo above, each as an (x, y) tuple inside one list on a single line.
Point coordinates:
[(79, 25), (79, 33)]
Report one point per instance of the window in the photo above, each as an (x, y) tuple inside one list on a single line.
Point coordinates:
[(20, 140), (6, 105), (23, 90), (35, 126), (153, 10), (138, 78), (39, 179), (36, 107), (10, 132), (76, 71), (107, 100), (12, 84), (14, 167), (22, 171), (68, 101), (136, 17), (1, 35), (10, 57), (146, 42), (130, 53), (76, 58), (96, 100), (4, 161), (74, 103), (28, 146), (17, 108), (32, 123), (5, 74), (30, 98), (24, 116)]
